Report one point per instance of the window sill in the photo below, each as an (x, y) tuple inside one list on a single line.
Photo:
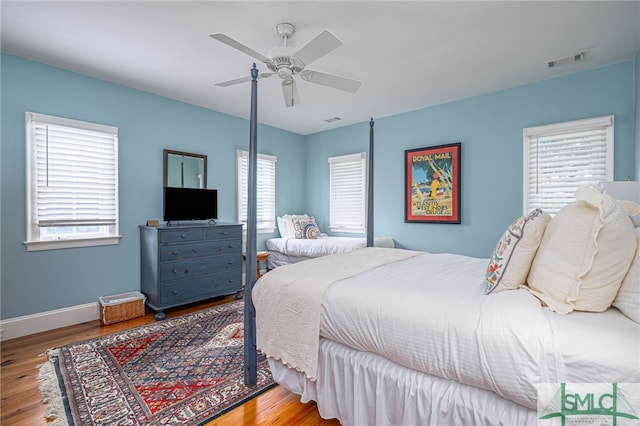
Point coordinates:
[(347, 230), (62, 244)]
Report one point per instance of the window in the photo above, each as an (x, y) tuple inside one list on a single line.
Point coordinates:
[(265, 194), (347, 193), (560, 158), (72, 183)]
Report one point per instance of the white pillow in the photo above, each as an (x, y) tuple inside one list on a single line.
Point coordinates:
[(281, 226), (585, 253), (628, 297), (511, 260)]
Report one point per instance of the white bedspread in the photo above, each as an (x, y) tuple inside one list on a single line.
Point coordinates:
[(288, 303), (429, 313), (323, 245)]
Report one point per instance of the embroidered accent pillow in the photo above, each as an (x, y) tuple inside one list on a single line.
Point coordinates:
[(628, 298), (585, 253), (285, 224), (511, 260), (306, 228)]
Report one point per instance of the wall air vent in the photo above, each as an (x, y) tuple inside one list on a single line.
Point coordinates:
[(331, 120), (567, 60)]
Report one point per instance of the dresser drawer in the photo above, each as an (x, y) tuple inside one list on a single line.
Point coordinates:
[(182, 235), (192, 289), (190, 251), (223, 233), (199, 266)]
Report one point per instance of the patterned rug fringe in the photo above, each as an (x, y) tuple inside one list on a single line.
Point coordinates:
[(51, 396)]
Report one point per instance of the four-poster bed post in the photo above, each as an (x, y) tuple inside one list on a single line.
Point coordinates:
[(250, 349), (370, 197)]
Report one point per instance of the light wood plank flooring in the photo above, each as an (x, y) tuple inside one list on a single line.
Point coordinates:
[(21, 400)]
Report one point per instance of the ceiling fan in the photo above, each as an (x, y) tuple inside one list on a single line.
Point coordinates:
[(287, 62)]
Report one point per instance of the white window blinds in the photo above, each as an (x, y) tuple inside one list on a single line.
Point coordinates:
[(266, 190), (347, 193), (560, 158), (72, 179)]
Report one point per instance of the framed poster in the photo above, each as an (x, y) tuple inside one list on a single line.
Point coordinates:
[(432, 184)]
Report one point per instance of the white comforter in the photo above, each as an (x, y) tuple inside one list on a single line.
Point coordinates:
[(429, 313), (323, 245)]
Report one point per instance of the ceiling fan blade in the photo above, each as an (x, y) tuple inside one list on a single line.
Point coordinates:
[(324, 43), (243, 79), (234, 81), (336, 81), (290, 93), (239, 46)]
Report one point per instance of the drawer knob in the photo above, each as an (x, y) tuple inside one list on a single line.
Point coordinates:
[(175, 292), (186, 271), (175, 271), (175, 253), (183, 236), (225, 233), (194, 251)]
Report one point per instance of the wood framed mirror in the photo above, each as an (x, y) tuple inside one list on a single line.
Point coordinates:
[(184, 169)]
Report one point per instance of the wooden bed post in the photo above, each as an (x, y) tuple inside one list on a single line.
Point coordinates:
[(370, 190), (250, 349)]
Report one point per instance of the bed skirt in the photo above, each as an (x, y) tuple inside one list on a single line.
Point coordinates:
[(362, 388), (277, 259)]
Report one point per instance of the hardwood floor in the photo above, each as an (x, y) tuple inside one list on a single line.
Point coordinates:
[(21, 400)]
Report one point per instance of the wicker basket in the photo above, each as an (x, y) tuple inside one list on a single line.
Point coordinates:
[(121, 307)]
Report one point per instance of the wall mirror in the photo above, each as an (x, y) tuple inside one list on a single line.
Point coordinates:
[(184, 169)]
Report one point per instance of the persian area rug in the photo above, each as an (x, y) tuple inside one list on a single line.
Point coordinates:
[(180, 371)]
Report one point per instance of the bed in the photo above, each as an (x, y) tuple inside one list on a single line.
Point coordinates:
[(301, 239), (382, 336)]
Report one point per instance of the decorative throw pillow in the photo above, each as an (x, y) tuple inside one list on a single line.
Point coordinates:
[(285, 224), (585, 253), (628, 297), (306, 228), (511, 260)]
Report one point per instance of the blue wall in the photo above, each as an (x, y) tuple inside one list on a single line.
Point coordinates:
[(490, 129), (35, 282)]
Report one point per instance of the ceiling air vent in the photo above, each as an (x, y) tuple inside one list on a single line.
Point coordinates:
[(331, 120), (567, 60)]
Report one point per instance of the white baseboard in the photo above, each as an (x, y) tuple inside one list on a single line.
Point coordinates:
[(44, 321)]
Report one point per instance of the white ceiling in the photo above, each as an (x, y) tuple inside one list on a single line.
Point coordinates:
[(408, 55)]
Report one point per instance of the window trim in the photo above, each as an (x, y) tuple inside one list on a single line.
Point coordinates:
[(567, 127), (271, 226), (32, 242), (344, 228)]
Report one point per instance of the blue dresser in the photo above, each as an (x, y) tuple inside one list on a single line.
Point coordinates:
[(180, 264)]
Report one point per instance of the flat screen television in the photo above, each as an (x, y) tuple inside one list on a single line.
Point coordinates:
[(190, 204)]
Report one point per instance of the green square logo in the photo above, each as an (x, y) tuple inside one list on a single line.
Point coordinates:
[(616, 404)]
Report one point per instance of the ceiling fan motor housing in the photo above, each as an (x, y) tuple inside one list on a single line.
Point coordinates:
[(283, 63)]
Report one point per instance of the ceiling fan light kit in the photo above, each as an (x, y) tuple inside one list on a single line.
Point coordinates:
[(288, 62)]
